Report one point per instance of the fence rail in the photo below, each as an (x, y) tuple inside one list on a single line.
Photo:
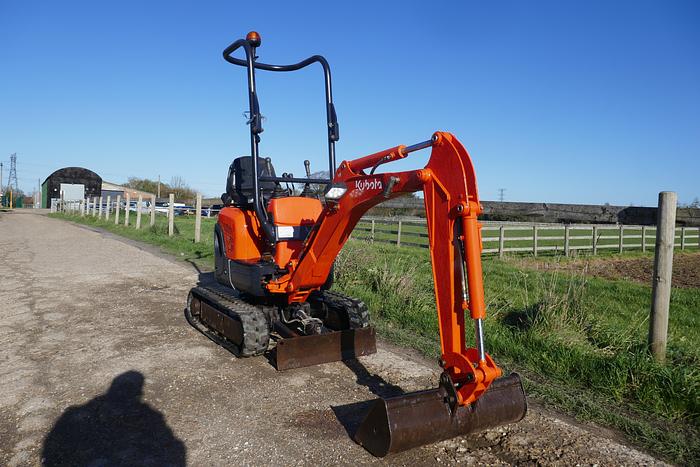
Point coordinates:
[(535, 238)]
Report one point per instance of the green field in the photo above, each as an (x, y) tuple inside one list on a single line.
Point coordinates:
[(579, 342)]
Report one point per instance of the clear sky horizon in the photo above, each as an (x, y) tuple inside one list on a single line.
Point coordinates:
[(560, 102)]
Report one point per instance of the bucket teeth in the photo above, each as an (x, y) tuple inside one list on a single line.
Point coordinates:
[(418, 418)]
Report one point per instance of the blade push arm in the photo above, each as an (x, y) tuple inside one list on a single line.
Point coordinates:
[(452, 206)]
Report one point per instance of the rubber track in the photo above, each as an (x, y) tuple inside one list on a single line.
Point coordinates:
[(357, 312), (256, 330)]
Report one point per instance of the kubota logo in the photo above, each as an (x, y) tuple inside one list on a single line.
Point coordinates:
[(362, 185)]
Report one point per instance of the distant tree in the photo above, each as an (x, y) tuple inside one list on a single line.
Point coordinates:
[(695, 203), (143, 184), (181, 189)]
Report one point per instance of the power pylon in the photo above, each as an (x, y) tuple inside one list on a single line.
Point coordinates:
[(12, 179)]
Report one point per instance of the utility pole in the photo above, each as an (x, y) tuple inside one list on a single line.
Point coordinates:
[(1, 191), (501, 194)]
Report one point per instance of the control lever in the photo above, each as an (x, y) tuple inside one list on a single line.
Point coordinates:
[(307, 192)]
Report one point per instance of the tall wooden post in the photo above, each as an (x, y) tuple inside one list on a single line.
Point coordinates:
[(138, 212), (663, 268), (116, 209), (644, 238), (100, 209), (94, 206), (198, 218), (171, 215), (82, 208), (153, 210), (567, 234), (372, 233), (109, 207), (127, 209)]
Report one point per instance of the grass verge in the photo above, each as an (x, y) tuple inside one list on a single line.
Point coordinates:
[(578, 342)]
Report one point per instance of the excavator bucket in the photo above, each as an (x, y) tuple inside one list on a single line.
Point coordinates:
[(295, 351), (424, 417)]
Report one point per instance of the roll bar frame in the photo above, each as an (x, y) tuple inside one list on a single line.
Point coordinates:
[(249, 45)]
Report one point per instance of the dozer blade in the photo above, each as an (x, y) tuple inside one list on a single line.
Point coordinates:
[(301, 351), (424, 417)]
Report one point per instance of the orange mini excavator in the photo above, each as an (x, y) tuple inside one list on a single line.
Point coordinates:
[(275, 252)]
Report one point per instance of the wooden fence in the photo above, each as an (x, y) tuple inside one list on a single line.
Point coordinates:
[(109, 208), (501, 238)]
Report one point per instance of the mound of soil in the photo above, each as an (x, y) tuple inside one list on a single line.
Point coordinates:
[(686, 268)]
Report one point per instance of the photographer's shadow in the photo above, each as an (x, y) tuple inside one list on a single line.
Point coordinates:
[(115, 428)]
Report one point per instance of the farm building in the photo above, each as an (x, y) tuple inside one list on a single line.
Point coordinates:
[(112, 189), (75, 182)]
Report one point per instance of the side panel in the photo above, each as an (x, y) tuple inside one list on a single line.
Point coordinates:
[(242, 235), (293, 218)]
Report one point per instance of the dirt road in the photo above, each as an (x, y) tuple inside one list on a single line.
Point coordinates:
[(99, 367)]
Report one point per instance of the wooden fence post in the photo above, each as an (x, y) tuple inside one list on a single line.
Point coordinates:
[(82, 208), (138, 212), (127, 210), (198, 218), (682, 238), (501, 240), (116, 209), (595, 240), (100, 209), (566, 240), (372, 236), (398, 235), (109, 206), (663, 269), (622, 237), (534, 240), (644, 238), (153, 210), (62, 208), (171, 215)]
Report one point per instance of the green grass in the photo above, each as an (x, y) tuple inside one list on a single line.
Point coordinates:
[(578, 342)]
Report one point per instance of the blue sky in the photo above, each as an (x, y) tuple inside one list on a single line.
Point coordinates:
[(579, 102)]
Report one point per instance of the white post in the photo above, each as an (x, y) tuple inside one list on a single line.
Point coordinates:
[(398, 235), (595, 240), (94, 206), (100, 208), (501, 240), (663, 269), (198, 218), (138, 212), (153, 210), (82, 208), (622, 237), (372, 234), (108, 207), (682, 238), (127, 209), (116, 209), (644, 238), (567, 234), (171, 215), (534, 240)]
